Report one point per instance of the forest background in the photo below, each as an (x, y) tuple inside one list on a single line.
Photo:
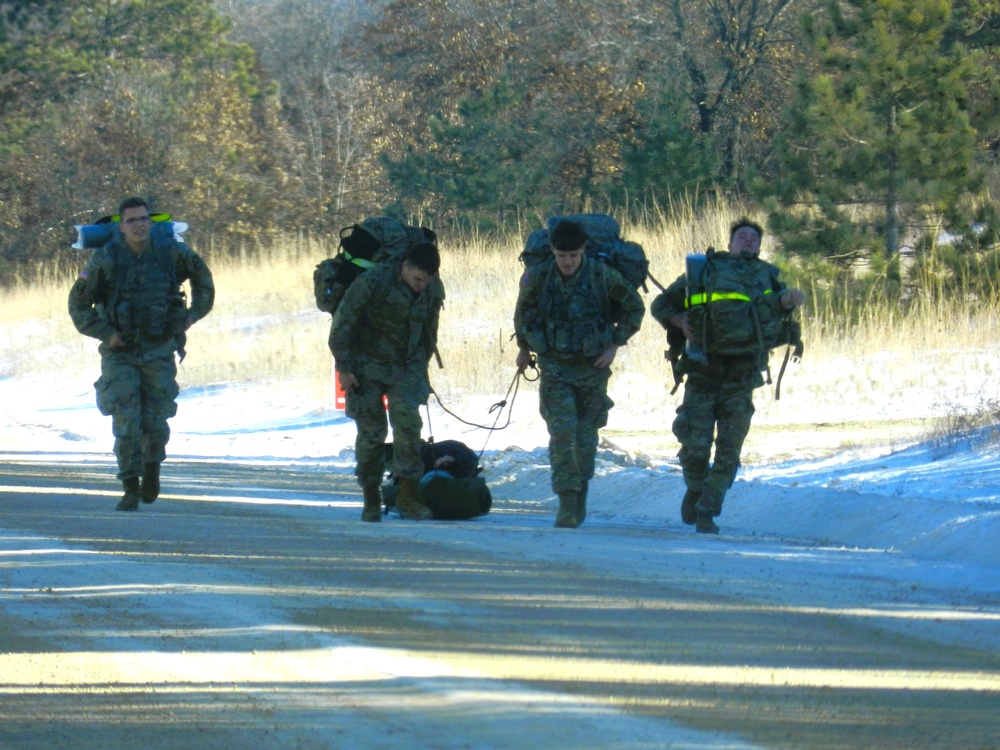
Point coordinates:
[(863, 131)]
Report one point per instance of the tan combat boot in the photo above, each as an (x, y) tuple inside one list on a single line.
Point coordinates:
[(566, 515), (372, 511), (408, 502)]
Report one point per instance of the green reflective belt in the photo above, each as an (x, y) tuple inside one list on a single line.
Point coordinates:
[(701, 299), (360, 262)]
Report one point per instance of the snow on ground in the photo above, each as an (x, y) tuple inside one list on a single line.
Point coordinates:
[(932, 507), (937, 500)]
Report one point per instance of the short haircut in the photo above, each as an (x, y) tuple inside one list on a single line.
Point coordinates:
[(567, 236), (133, 202), (745, 222), (425, 256)]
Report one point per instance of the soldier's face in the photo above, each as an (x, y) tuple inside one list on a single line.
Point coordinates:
[(745, 241), (135, 225), (568, 261), (415, 278)]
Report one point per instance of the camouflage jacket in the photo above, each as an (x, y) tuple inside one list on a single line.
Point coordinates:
[(382, 329), (569, 322), (139, 297)]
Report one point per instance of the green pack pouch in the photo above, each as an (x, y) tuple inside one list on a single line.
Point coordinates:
[(725, 327)]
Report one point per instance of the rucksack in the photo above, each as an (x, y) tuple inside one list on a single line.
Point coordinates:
[(449, 498), (604, 243), (454, 491), (363, 246), (464, 461), (731, 315)]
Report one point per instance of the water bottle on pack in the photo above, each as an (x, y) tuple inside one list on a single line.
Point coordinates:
[(694, 264)]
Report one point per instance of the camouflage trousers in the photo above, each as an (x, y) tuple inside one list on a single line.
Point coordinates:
[(364, 405), (574, 410), (704, 416), (138, 393)]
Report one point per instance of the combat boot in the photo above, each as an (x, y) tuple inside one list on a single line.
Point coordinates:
[(581, 503), (688, 511), (130, 500), (710, 501), (704, 524), (408, 502), (373, 504), (150, 482), (706, 508), (566, 515)]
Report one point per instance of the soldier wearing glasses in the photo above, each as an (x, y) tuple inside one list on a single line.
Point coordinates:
[(129, 297)]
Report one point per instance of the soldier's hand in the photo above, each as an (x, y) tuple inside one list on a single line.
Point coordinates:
[(523, 359), (792, 299), (681, 321), (116, 341), (606, 358), (348, 381)]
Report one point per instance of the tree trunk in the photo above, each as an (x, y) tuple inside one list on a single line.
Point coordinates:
[(892, 194)]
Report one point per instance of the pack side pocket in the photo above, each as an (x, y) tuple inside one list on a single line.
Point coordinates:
[(730, 326)]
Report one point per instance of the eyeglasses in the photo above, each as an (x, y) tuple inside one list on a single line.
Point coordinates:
[(136, 221)]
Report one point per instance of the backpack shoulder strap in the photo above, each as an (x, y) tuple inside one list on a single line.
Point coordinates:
[(599, 285), (166, 251), (115, 251), (537, 276)]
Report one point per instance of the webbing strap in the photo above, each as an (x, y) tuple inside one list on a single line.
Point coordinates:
[(781, 374), (701, 299)]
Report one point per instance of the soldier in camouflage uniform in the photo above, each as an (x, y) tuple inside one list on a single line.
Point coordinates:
[(383, 335), (718, 391), (573, 313), (128, 296)]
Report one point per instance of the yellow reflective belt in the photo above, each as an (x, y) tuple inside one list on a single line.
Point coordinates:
[(360, 262), (701, 299)]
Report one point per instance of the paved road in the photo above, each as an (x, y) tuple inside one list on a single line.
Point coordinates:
[(249, 605)]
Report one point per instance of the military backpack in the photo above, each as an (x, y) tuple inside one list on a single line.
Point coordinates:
[(733, 310), (604, 243), (101, 232), (454, 491), (362, 246)]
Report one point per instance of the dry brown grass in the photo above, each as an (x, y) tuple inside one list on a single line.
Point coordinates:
[(265, 328)]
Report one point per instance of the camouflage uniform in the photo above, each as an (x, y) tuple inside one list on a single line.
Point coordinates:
[(385, 334), (568, 323), (718, 399), (139, 298)]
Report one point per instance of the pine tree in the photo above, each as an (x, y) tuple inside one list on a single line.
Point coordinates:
[(878, 141)]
